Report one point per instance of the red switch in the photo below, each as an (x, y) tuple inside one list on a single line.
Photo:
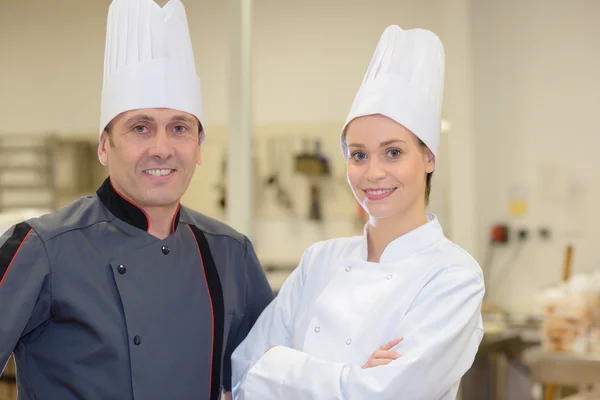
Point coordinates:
[(499, 233)]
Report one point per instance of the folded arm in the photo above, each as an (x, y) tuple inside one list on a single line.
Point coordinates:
[(441, 331)]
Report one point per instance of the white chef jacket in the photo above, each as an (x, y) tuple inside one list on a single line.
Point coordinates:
[(336, 309)]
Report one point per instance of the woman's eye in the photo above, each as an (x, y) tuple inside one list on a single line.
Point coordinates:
[(358, 156), (394, 153)]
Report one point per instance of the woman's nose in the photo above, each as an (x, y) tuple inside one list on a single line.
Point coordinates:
[(375, 171)]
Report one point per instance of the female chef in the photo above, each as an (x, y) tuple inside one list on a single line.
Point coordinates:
[(402, 283)]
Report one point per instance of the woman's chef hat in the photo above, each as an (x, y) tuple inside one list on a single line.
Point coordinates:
[(148, 60), (405, 82)]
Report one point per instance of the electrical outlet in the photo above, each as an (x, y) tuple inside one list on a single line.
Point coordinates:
[(523, 234), (544, 233), (499, 233)]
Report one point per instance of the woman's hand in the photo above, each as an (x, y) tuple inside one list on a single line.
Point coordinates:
[(383, 355)]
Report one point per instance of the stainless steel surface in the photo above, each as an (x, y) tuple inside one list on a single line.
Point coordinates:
[(498, 372), (563, 369)]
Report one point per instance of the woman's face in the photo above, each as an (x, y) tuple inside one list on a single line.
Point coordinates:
[(387, 166)]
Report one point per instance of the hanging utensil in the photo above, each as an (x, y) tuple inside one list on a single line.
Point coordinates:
[(221, 187), (274, 179)]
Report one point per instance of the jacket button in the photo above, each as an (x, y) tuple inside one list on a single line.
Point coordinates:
[(121, 268), (165, 249), (348, 342), (388, 277), (317, 329), (137, 340), (348, 269)]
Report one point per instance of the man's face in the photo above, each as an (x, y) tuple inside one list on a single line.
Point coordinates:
[(151, 155)]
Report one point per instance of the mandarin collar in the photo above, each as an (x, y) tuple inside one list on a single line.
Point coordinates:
[(408, 244), (126, 210)]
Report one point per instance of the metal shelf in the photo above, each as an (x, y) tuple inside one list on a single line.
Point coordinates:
[(30, 163)]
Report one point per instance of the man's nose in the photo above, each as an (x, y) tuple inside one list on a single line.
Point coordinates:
[(161, 146)]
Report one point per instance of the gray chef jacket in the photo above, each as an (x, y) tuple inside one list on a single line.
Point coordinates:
[(94, 307)]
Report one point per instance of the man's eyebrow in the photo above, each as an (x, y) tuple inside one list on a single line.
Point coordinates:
[(183, 118), (139, 118), (146, 118)]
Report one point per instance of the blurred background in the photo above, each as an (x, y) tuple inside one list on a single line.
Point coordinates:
[(516, 183)]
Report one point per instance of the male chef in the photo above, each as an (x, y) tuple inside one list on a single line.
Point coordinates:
[(126, 294)]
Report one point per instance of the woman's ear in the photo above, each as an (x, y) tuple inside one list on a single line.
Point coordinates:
[(429, 161)]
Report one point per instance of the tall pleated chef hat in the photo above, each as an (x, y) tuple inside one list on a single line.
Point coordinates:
[(404, 82), (148, 60)]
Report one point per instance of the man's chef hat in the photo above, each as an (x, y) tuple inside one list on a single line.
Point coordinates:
[(148, 60), (405, 82)]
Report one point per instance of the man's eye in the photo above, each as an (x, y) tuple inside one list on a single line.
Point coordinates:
[(180, 129), (140, 129)]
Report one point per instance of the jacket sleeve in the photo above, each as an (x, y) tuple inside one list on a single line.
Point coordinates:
[(258, 296), (24, 287), (442, 332), (273, 328)]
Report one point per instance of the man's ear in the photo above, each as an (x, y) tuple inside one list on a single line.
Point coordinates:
[(199, 155), (102, 153)]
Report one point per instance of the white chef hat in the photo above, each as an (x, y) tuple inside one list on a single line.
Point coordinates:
[(148, 60), (405, 82)]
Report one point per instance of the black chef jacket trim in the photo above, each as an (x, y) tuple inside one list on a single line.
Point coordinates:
[(10, 248), (215, 292), (125, 209)]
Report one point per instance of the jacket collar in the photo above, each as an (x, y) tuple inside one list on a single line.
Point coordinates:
[(408, 244), (125, 209)]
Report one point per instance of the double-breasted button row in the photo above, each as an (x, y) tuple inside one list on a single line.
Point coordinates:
[(318, 329), (349, 268), (122, 269)]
